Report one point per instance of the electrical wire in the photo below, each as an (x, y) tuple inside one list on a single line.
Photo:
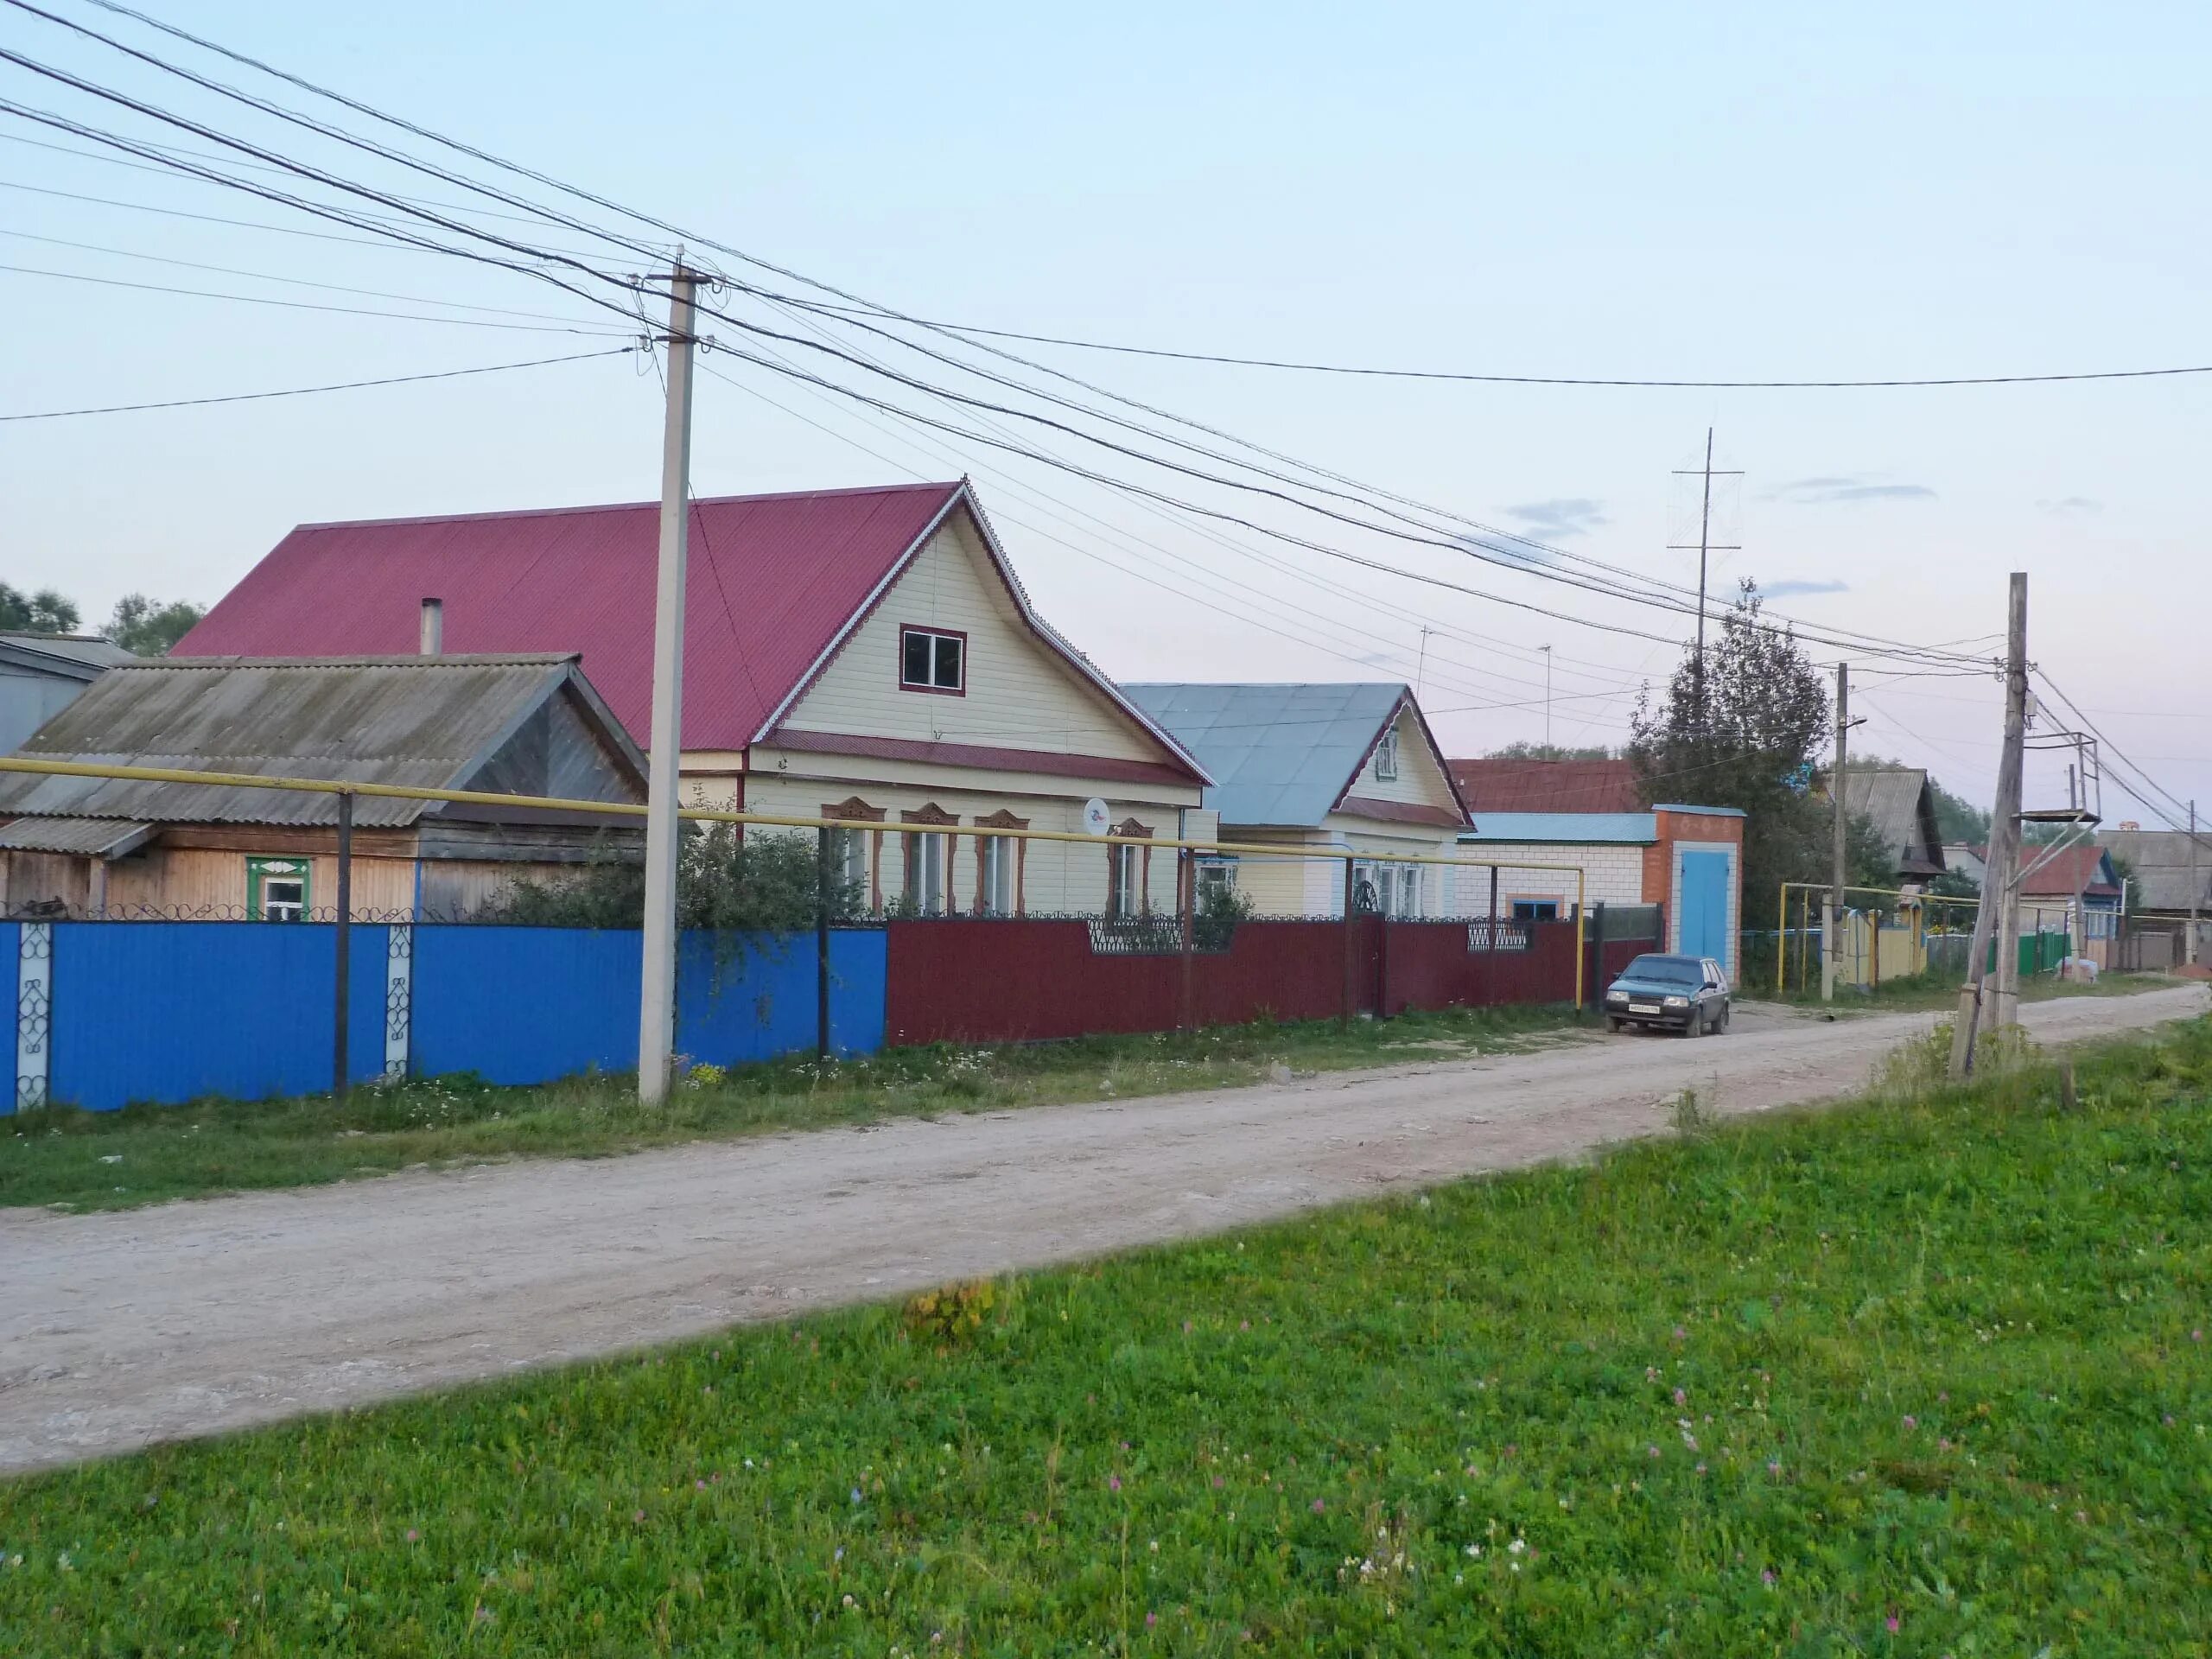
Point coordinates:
[(302, 391), (467, 183), (1457, 545), (304, 305), (1892, 383)]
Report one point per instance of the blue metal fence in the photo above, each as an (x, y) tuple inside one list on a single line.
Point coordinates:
[(110, 1013)]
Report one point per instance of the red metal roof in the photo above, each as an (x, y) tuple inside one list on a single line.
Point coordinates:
[(2078, 866), (1509, 784), (773, 581)]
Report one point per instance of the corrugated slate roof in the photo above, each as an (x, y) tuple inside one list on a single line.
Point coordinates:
[(2160, 859), (429, 721), (1897, 802), (1511, 783), (1279, 755), (87, 837), (771, 581), (1632, 829)]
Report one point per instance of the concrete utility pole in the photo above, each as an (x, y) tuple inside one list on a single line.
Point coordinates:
[(2190, 942), (2003, 847), (656, 1000), (1832, 926)]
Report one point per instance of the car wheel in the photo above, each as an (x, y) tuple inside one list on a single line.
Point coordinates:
[(1722, 1023), (1613, 1024), (1695, 1024)]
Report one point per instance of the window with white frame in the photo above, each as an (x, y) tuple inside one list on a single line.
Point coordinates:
[(1407, 896), (276, 889), (1386, 756), (1216, 876), (933, 659), (848, 855), (1124, 881), (924, 884), (998, 874)]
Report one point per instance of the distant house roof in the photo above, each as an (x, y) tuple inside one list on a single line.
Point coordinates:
[(74, 655), (2087, 869), (496, 723), (1899, 802), (2160, 861), (774, 584), (1509, 783), (1566, 828), (1283, 756)]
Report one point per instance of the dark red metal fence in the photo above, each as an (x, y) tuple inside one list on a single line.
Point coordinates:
[(999, 980)]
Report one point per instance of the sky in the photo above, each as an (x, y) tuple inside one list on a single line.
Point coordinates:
[(1607, 191)]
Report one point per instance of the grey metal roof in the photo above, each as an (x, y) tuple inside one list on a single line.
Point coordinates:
[(1279, 754), (88, 837), (431, 721), (84, 653), (1566, 828)]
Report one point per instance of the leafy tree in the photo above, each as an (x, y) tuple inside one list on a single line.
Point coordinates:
[(1748, 732), (149, 628), (1958, 818), (43, 612), (1525, 751), (762, 883)]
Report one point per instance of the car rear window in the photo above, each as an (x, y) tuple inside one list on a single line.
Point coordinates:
[(1669, 971)]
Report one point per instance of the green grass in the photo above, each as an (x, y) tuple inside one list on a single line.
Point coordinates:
[(1937, 991), (1919, 1376), (107, 1161)]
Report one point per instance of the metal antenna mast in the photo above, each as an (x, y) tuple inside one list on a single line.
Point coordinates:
[(1705, 550)]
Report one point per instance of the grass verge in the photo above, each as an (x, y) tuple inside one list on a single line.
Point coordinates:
[(1926, 1376), (1938, 992), (105, 1160)]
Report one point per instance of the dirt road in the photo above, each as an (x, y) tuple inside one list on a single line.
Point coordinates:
[(122, 1329)]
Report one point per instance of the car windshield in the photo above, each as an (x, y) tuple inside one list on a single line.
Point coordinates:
[(1667, 970)]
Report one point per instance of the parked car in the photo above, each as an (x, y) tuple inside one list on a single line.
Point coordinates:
[(1684, 993)]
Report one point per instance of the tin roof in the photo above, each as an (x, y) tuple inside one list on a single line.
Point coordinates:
[(1513, 784), (2166, 877), (2082, 866), (774, 582), (1631, 829), (1280, 755), (79, 656), (438, 722), (771, 580)]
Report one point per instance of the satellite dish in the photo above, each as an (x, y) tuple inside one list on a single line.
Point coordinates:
[(1094, 816)]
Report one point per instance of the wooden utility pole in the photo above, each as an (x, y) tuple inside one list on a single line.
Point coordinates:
[(656, 1000), (1832, 927), (2004, 844)]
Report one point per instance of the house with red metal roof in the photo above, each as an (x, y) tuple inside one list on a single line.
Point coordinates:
[(868, 655), (1512, 783), (2074, 891)]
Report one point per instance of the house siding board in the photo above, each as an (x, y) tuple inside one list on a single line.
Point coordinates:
[(1019, 692), (1420, 780)]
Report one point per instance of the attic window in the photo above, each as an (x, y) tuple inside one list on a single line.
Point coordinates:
[(1386, 756), (931, 660)]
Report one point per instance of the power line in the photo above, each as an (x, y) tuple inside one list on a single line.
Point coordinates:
[(271, 276), (1893, 383), (1458, 544), (302, 391), (305, 305)]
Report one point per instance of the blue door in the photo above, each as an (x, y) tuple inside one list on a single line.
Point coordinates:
[(1704, 905)]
